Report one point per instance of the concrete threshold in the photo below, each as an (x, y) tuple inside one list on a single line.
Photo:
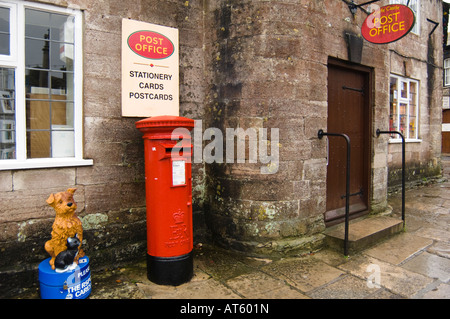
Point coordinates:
[(362, 233)]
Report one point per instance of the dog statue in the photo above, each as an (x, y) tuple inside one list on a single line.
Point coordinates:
[(66, 225)]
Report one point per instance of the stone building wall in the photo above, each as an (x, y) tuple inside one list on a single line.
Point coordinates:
[(110, 194), (249, 64), (270, 63)]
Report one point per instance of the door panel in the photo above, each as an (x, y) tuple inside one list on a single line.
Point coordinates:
[(348, 113), (446, 132)]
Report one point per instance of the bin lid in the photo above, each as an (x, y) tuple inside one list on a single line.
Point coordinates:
[(50, 277), (165, 121)]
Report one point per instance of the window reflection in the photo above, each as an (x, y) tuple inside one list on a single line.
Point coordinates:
[(7, 114), (4, 31), (49, 54)]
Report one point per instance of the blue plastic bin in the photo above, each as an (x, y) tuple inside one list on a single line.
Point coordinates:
[(74, 284)]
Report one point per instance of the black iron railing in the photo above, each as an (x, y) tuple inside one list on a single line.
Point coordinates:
[(403, 168), (321, 134)]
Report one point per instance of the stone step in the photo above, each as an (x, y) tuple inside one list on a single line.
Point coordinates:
[(362, 233)]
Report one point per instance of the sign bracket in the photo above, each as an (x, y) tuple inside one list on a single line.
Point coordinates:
[(436, 24), (354, 6)]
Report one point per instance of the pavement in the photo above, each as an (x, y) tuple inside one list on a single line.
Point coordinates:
[(414, 264)]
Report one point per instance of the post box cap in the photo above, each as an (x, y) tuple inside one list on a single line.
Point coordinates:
[(165, 121)]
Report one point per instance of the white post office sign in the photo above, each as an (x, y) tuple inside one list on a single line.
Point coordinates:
[(150, 69)]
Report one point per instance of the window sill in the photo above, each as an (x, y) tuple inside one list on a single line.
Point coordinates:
[(399, 140), (43, 163)]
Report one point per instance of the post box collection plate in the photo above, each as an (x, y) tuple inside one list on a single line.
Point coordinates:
[(178, 173)]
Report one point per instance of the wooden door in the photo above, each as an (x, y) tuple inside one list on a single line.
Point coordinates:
[(348, 113)]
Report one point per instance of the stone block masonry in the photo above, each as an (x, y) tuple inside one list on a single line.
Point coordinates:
[(243, 64), (111, 193), (269, 62)]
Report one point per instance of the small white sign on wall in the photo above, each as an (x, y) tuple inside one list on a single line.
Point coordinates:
[(150, 69)]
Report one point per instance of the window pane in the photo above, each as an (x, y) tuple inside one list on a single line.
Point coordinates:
[(49, 84), (58, 56), (38, 113), (4, 44), (61, 28), (62, 135), (393, 113), (37, 24), (38, 145), (7, 114), (63, 141), (4, 31), (404, 90), (446, 76), (403, 118), (37, 54), (412, 110), (62, 56), (38, 126), (412, 126), (37, 83), (62, 83)]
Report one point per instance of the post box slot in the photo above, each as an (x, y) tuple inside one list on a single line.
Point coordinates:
[(178, 150)]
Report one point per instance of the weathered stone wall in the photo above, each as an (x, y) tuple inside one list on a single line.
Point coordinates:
[(266, 76), (421, 58), (243, 64), (270, 64)]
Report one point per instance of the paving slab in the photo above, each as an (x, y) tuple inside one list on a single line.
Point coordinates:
[(259, 285), (430, 265), (384, 294), (399, 248), (348, 287), (433, 233), (330, 257), (203, 289), (303, 274), (440, 249), (394, 278), (440, 292), (220, 264)]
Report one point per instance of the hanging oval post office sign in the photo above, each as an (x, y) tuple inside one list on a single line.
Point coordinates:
[(388, 24)]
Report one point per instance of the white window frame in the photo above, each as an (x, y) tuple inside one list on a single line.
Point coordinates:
[(17, 61), (447, 72), (416, 28), (395, 138)]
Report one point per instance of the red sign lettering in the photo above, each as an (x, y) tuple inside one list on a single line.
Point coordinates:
[(388, 24), (150, 45)]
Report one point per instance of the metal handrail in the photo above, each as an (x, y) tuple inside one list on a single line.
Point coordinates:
[(378, 132), (320, 135)]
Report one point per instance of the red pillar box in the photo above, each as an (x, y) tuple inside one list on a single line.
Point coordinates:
[(168, 184)]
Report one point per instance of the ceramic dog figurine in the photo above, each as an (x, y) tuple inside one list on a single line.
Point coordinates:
[(66, 225)]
